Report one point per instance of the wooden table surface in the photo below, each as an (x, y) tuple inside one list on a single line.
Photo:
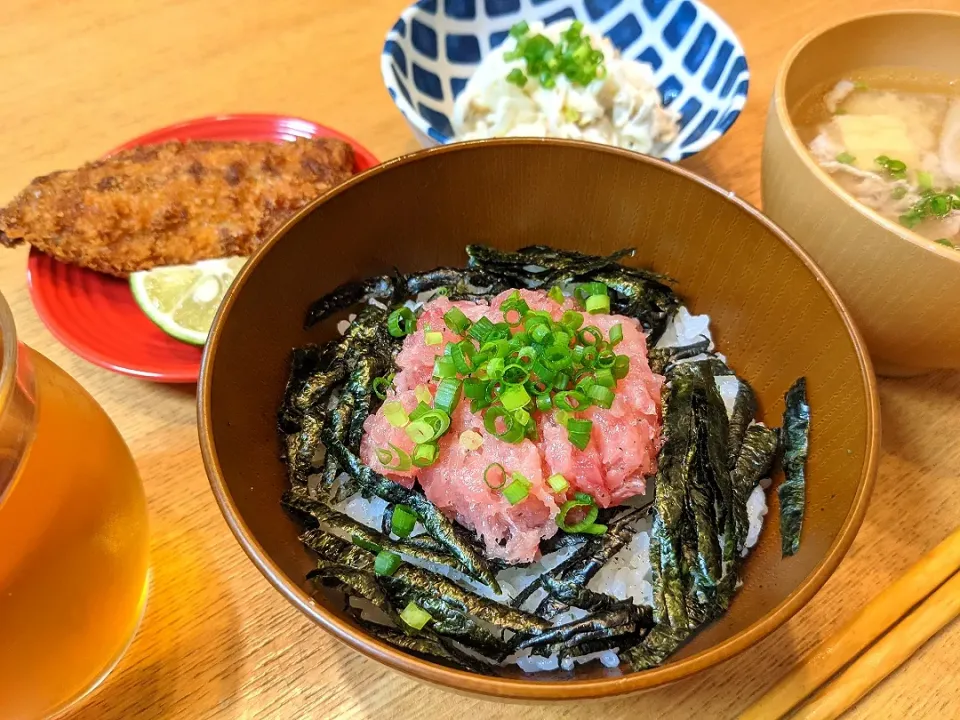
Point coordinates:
[(78, 78)]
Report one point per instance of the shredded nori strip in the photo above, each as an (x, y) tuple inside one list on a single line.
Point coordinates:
[(435, 522), (662, 357), (659, 644), (621, 618), (427, 646), (744, 410), (301, 447), (300, 502), (793, 489), (379, 287), (584, 563)]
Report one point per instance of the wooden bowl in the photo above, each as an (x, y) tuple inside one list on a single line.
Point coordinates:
[(774, 314), (902, 289)]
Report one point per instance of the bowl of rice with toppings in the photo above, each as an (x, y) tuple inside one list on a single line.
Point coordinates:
[(538, 447)]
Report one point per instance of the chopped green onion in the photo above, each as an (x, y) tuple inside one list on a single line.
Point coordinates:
[(365, 544), (420, 432), (944, 241), (425, 455), (420, 410), (556, 358), (594, 529), (898, 193), (522, 417), (414, 616), (527, 356), (520, 29), (585, 291), (518, 489), (444, 367), (895, 168), (481, 329), (576, 425), (570, 400), (471, 440), (606, 359), (616, 334), (495, 368), (544, 402), (924, 180), (512, 432), (402, 462), (490, 476), (456, 321), (463, 354), (590, 335), (572, 319), (601, 396), (386, 563), (621, 366), (401, 322), (448, 395), (581, 500), (395, 414), (381, 385), (495, 349), (578, 440), (422, 393), (561, 416), (474, 389), (541, 334), (845, 158), (558, 483), (605, 378), (403, 521), (556, 294), (514, 397), (515, 374), (517, 77), (597, 304), (429, 427), (432, 338)]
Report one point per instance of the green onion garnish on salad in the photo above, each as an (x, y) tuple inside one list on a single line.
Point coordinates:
[(573, 56)]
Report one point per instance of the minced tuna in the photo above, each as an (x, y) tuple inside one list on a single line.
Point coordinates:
[(621, 454)]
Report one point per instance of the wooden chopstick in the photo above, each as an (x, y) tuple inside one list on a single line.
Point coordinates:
[(891, 651), (871, 622)]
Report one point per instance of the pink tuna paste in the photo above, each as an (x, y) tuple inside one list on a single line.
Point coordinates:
[(622, 451)]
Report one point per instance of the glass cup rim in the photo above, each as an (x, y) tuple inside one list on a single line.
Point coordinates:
[(8, 359)]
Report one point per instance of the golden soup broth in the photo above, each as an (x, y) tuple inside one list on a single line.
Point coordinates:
[(890, 137)]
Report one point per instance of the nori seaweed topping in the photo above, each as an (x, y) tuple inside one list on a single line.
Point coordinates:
[(744, 411), (427, 646), (660, 358), (622, 618), (380, 287), (793, 489), (301, 503), (435, 522)]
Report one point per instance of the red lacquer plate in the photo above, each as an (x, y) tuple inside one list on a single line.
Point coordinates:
[(94, 314)]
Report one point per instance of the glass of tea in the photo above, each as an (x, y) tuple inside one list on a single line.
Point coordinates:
[(73, 536)]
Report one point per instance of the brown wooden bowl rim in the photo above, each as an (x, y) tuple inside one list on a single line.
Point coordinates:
[(522, 689), (793, 138)]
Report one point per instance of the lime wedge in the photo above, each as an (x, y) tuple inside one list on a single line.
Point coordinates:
[(183, 299)]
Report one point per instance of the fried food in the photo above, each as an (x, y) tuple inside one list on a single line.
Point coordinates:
[(173, 203)]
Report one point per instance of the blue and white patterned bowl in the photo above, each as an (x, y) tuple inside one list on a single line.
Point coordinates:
[(698, 62)]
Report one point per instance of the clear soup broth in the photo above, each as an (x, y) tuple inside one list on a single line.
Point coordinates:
[(890, 137)]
